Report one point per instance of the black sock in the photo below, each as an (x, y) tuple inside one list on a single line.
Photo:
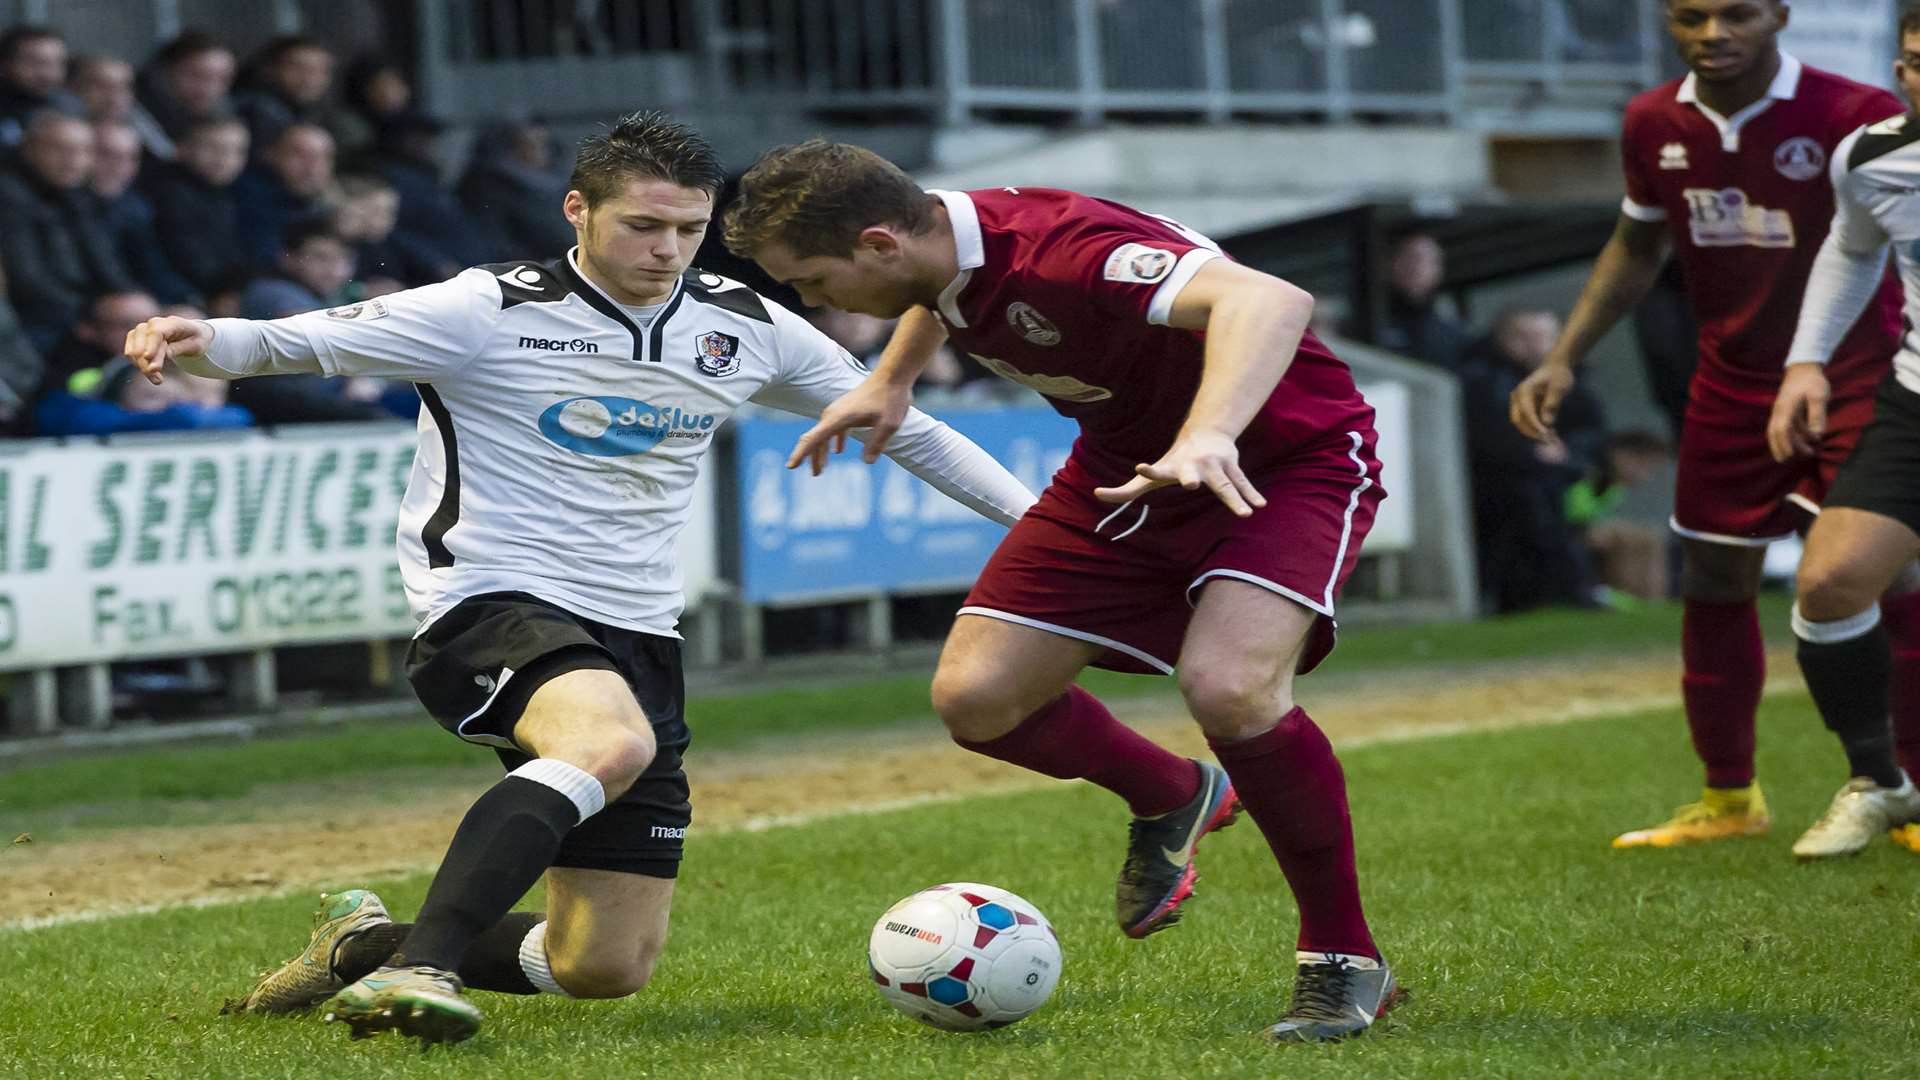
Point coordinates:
[(1848, 680), (506, 842), (492, 961)]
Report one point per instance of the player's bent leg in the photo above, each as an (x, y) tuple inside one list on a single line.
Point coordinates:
[(1852, 557), (1005, 691), (590, 741), (1236, 673), (1724, 672), (605, 931)]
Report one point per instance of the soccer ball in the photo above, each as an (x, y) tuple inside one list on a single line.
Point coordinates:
[(964, 957)]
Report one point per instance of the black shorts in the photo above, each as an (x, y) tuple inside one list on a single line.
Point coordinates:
[(478, 665), (1883, 475)]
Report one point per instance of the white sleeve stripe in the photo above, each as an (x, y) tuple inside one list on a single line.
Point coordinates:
[(1641, 211), (1161, 310)]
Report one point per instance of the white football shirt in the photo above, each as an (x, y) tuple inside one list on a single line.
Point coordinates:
[(560, 439)]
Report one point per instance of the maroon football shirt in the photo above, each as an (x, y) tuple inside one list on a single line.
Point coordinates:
[(1070, 295), (1748, 199)]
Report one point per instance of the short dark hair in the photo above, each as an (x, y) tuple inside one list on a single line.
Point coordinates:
[(19, 35), (651, 145), (187, 45), (298, 234), (276, 50), (818, 196), (219, 117), (1910, 20)]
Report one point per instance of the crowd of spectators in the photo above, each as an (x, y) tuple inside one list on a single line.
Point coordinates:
[(1546, 530), (197, 181)]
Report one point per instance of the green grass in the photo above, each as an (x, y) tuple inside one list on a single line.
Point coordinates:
[(730, 720), (1531, 949)]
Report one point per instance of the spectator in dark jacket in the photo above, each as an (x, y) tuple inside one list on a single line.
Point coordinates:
[(104, 85), (98, 335), (1414, 325), (514, 187), (287, 83), (364, 209), (33, 67), (314, 267), (21, 369), (129, 216), (373, 89), (59, 254), (285, 189), (434, 229), (189, 80), (194, 204), (1529, 554)]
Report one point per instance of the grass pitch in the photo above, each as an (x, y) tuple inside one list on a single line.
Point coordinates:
[(1530, 948)]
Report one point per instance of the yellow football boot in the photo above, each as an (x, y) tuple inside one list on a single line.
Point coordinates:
[(1907, 836), (1721, 814)]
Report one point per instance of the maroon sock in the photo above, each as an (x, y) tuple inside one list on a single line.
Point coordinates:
[(1726, 669), (1902, 616), (1290, 783), (1074, 737)]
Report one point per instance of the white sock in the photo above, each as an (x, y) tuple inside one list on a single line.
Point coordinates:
[(577, 784), (533, 961)]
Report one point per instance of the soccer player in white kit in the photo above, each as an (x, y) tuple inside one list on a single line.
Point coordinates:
[(567, 408), (1868, 531)]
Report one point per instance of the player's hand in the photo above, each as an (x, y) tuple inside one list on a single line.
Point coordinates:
[(1799, 413), (153, 342), (876, 404), (1197, 459), (1535, 403)]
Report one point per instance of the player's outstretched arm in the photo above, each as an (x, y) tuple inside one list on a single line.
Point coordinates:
[(1625, 272), (878, 404), (1254, 324)]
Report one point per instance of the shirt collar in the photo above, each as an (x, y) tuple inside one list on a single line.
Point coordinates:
[(969, 248)]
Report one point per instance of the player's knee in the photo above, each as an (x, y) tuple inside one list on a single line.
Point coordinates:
[(1825, 591), (974, 708), (1233, 701), (598, 975), (617, 755)]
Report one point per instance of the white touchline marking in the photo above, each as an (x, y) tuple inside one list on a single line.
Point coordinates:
[(1575, 713)]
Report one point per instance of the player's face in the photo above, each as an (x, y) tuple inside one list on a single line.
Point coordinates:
[(1722, 40), (641, 240), (867, 282), (1906, 70)]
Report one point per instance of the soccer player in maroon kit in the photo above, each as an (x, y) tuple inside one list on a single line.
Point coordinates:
[(1212, 507), (1731, 162)]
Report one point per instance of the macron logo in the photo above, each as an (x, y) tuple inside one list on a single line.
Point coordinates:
[(577, 345), (664, 832)]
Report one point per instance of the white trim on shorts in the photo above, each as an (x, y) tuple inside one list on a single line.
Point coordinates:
[(1066, 631), (1271, 586), (1804, 503), (460, 729), (1722, 538)]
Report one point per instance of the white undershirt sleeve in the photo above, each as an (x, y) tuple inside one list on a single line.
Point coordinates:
[(1846, 273)]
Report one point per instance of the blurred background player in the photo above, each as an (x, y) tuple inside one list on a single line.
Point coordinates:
[(1213, 425), (1868, 531), (1731, 163)]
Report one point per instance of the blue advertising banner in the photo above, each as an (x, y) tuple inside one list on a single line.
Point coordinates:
[(859, 528)]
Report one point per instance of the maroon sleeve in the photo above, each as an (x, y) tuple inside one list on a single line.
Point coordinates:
[(1130, 273), (1643, 198)]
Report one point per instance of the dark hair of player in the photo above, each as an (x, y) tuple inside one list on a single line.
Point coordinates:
[(817, 196), (644, 145), (22, 34), (1910, 20)]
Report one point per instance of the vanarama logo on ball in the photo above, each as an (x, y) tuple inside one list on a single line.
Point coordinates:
[(909, 930), (620, 427)]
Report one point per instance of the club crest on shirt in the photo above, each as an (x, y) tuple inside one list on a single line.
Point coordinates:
[(1800, 158), (366, 309), (719, 354), (1032, 325), (1139, 264), (1673, 157)]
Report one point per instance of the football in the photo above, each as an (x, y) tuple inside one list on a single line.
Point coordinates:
[(964, 957)]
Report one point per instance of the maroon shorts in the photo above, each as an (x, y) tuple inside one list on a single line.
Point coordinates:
[(1730, 490), (1126, 577)]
